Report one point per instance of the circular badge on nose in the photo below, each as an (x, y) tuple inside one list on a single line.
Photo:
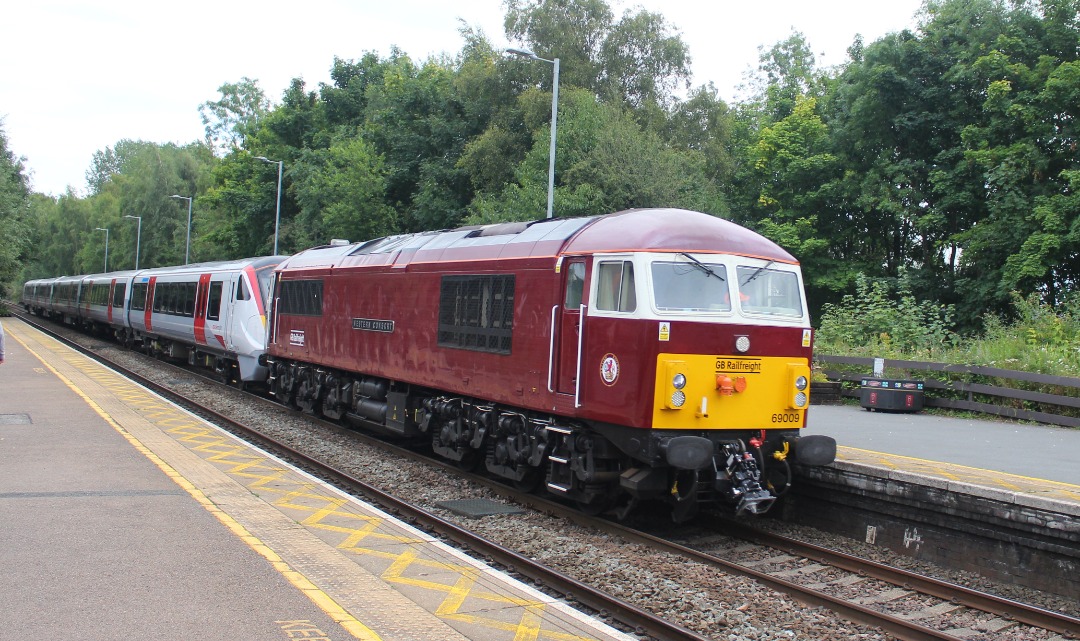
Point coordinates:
[(609, 369)]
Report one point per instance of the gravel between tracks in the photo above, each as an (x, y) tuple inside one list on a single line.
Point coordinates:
[(715, 605)]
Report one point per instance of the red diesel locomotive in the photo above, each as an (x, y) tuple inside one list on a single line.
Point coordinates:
[(649, 354)]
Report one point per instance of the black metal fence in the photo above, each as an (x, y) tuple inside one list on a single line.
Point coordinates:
[(980, 389)]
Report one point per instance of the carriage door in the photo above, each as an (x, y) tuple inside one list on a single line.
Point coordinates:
[(231, 320), (569, 322)]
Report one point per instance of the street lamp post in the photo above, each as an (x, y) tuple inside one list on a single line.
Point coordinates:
[(106, 246), (554, 120), (138, 239), (277, 216), (190, 200)]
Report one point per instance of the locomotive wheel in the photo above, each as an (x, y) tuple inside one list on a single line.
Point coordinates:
[(470, 462), (597, 506), (530, 482)]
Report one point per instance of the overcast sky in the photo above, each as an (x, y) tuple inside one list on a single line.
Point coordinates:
[(80, 75)]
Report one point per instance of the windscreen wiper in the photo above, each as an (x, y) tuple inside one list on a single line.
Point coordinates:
[(756, 273), (702, 266)]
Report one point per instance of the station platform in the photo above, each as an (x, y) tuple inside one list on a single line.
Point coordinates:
[(125, 516), (1003, 457)]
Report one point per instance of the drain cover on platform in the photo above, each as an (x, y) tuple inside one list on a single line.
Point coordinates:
[(475, 508), (15, 419)]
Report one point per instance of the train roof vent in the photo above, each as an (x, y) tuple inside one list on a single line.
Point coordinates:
[(381, 245), (500, 229), (339, 242)]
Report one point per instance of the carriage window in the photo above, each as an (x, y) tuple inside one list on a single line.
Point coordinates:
[(138, 296), (241, 289), (213, 309), (769, 291), (616, 289), (686, 286), (118, 294), (99, 294), (189, 298)]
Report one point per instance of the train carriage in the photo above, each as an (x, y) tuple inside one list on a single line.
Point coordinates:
[(37, 296), (211, 314), (104, 301), (64, 301), (650, 354)]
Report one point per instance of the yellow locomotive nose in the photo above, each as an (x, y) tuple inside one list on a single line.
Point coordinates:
[(696, 391)]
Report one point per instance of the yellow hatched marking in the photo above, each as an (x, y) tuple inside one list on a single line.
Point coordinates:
[(238, 461)]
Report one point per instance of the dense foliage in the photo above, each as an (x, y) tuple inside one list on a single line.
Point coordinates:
[(936, 170)]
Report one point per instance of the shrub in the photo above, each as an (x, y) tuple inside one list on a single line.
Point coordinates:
[(873, 322)]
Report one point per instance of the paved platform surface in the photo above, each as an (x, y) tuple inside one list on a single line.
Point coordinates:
[(126, 517), (1014, 457)]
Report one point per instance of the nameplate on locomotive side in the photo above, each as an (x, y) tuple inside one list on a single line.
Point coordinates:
[(373, 325)]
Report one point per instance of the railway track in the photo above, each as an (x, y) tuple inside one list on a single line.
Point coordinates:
[(907, 606)]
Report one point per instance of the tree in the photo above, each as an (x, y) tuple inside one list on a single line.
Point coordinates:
[(786, 72), (1025, 145), (230, 119), (14, 215), (605, 162), (340, 191), (638, 60)]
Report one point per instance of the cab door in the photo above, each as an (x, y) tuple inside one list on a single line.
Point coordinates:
[(568, 320)]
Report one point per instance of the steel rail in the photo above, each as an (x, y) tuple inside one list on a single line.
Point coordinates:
[(1000, 606)]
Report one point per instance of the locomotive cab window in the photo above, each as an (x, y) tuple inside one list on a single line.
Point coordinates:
[(575, 285), (688, 285), (769, 291), (615, 287)]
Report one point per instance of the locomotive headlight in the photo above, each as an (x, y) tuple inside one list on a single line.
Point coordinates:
[(742, 344), (673, 397), (799, 378)]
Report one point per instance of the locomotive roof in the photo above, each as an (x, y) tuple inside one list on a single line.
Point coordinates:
[(635, 230), (673, 230)]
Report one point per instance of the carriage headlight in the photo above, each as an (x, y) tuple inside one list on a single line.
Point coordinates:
[(800, 383), (679, 381)]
